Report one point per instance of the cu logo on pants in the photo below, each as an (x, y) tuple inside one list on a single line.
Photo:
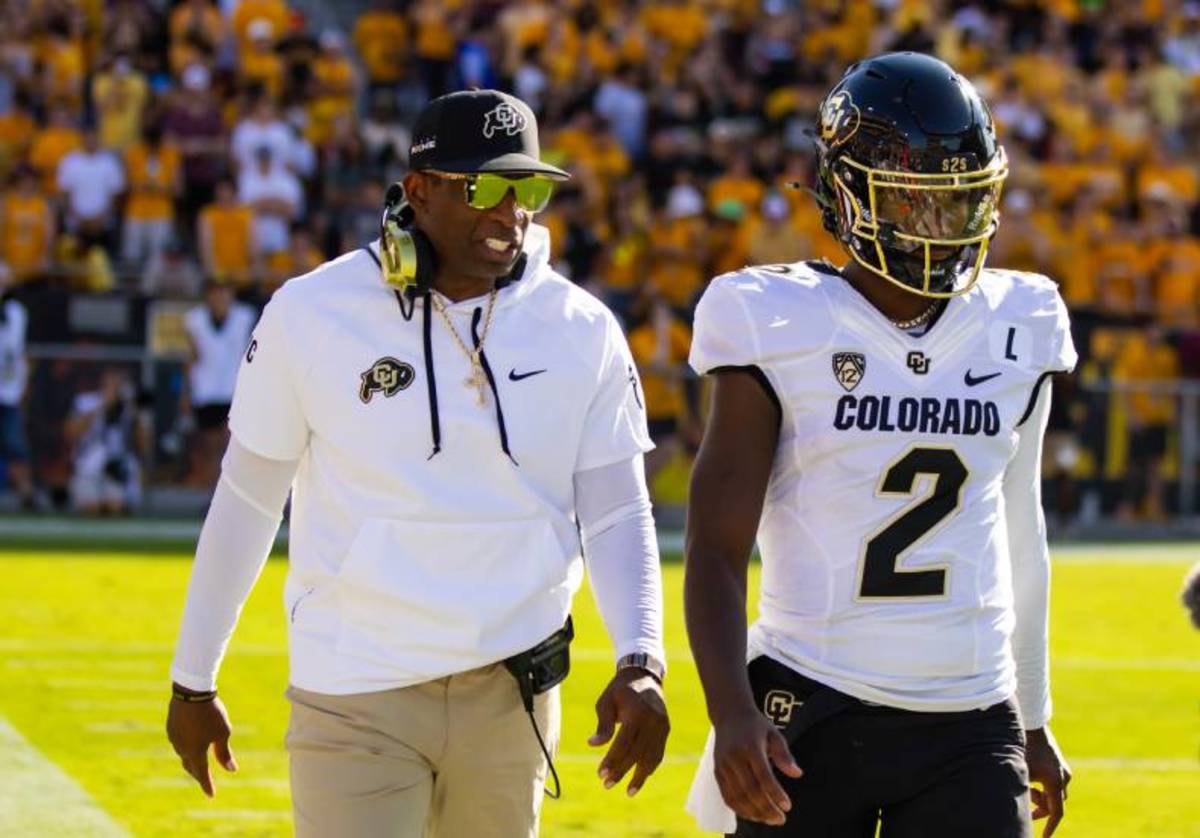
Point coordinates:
[(778, 707)]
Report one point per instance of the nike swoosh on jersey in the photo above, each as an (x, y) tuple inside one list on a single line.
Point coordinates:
[(513, 375), (971, 381)]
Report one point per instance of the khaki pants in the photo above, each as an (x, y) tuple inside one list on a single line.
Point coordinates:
[(451, 758)]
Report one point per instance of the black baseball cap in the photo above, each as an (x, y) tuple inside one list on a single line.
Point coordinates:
[(478, 131)]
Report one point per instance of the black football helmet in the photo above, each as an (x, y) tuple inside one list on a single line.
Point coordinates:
[(909, 172)]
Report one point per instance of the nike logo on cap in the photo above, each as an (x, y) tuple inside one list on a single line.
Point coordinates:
[(971, 381), (513, 375)]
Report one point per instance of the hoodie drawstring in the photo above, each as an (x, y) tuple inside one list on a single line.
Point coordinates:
[(435, 425), (487, 371)]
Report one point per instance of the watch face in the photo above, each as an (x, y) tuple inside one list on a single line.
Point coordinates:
[(641, 660)]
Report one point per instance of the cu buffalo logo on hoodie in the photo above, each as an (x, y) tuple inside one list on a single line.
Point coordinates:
[(387, 376)]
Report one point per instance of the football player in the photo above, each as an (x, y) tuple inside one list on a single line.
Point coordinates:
[(879, 428)]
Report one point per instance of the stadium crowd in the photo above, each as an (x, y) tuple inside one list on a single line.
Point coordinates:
[(152, 150)]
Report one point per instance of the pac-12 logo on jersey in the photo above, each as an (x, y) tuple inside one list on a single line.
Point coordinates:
[(387, 376), (848, 368), (778, 705)]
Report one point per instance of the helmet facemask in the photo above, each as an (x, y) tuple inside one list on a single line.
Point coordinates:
[(926, 232)]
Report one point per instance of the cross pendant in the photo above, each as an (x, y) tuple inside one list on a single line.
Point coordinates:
[(477, 380)]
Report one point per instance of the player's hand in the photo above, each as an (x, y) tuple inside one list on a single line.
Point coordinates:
[(1048, 768), (192, 729), (634, 700), (747, 745)]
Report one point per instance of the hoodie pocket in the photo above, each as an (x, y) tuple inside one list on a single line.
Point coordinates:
[(415, 594)]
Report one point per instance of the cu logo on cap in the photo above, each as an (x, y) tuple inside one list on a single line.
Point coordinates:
[(504, 117)]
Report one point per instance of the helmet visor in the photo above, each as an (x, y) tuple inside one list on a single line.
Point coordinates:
[(949, 217), (948, 211)]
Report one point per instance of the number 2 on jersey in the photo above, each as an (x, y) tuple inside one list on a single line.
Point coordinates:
[(879, 577)]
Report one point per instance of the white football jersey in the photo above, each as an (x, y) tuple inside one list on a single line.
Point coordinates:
[(886, 570)]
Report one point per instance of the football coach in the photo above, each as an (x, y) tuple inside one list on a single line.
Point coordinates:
[(459, 426)]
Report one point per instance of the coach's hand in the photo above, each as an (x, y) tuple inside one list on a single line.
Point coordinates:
[(1049, 768), (192, 728), (634, 700), (747, 744)]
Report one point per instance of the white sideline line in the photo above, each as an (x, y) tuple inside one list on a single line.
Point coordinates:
[(1153, 558), (224, 781), (216, 814), (589, 654), (1148, 764), (1169, 553), (1127, 664), (70, 647), (37, 798), (1157, 765), (1166, 766), (117, 705), (243, 755), (596, 755), (124, 685), (129, 726), (139, 666)]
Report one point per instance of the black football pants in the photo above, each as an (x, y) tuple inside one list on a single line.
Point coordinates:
[(924, 775)]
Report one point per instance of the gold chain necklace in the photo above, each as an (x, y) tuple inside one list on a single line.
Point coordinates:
[(921, 318), (477, 378)]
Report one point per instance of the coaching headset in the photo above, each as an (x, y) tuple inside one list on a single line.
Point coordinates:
[(408, 259)]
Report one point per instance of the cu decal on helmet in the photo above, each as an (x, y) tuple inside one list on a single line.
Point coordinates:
[(840, 119)]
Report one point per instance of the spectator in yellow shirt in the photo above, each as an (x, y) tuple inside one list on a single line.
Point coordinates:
[(302, 255), (274, 12), (680, 23), (16, 133), (259, 65), (197, 22), (1020, 244), (119, 95), (660, 343), (738, 184), (774, 241), (225, 233), (381, 39), (51, 144), (26, 227), (63, 66), (84, 264), (435, 23), (728, 238), (676, 266), (154, 176), (336, 83), (1146, 361)]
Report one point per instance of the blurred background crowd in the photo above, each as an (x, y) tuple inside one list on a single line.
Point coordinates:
[(165, 166)]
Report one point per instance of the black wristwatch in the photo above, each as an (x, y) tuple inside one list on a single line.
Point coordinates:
[(641, 660)]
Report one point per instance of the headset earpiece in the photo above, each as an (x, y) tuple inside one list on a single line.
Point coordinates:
[(406, 254)]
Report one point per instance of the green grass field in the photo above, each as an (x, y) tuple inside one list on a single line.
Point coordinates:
[(86, 643)]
